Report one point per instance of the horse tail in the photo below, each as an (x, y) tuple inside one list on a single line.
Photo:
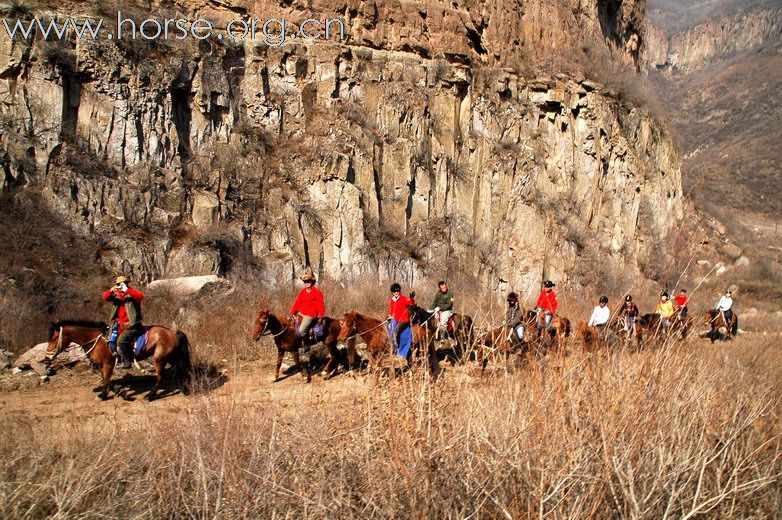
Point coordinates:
[(567, 327), (735, 327), (184, 362)]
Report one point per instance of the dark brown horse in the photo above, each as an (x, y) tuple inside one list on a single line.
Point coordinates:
[(460, 329), (716, 320), (375, 335), (286, 339), (163, 346)]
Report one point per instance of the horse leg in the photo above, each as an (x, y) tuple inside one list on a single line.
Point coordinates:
[(106, 369), (160, 366), (304, 367), (280, 354), (331, 367)]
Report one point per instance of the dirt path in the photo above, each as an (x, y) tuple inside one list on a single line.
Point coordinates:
[(67, 397)]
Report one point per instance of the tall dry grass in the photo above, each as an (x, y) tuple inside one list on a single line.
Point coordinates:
[(661, 434)]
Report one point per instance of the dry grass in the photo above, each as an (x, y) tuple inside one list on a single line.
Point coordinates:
[(651, 435)]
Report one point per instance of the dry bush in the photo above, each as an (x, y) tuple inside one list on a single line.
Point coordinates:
[(652, 435)]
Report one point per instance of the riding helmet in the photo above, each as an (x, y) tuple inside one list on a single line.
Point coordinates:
[(549, 283), (395, 287), (628, 298), (604, 299), (664, 295), (513, 297)]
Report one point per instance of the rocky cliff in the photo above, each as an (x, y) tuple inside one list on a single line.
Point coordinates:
[(440, 138), (718, 37)]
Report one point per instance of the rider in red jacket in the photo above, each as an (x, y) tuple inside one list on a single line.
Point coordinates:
[(547, 301), (399, 310), (127, 315), (309, 303)]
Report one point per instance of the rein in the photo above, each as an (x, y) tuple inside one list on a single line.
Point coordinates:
[(382, 323), (85, 353), (266, 327)]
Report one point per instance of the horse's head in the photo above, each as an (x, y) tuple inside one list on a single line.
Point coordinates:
[(55, 343), (347, 325), (710, 316), (261, 324)]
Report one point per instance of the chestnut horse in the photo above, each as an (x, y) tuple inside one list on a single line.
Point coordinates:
[(558, 328), (286, 339), (163, 346), (716, 319), (590, 337), (375, 335)]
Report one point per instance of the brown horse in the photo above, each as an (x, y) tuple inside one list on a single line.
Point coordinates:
[(653, 324), (163, 346), (558, 328), (716, 319), (590, 337), (375, 335), (629, 331), (286, 339), (498, 342)]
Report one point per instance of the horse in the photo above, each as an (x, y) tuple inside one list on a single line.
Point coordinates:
[(375, 335), (287, 339), (590, 337), (630, 331), (558, 329), (714, 317), (653, 323), (163, 346), (459, 330), (497, 341)]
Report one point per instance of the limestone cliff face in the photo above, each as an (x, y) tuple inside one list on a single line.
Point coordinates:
[(414, 150), (726, 35)]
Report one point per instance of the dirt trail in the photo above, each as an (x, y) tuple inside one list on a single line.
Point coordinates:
[(67, 398)]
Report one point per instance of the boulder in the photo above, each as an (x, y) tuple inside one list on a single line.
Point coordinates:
[(34, 358), (721, 269), (732, 251), (191, 286), (741, 261), (704, 263)]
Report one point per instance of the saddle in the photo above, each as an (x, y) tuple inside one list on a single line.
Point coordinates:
[(315, 332), (138, 344)]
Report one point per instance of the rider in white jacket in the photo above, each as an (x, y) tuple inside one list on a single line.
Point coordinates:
[(725, 304), (600, 314)]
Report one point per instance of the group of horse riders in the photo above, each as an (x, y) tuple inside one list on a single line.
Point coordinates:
[(670, 310), (309, 309)]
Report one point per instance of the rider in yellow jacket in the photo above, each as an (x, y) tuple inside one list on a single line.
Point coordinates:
[(665, 310)]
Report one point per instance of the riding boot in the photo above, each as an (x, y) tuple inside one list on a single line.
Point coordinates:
[(126, 355)]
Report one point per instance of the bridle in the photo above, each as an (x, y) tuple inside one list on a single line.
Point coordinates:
[(51, 356), (266, 328)]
